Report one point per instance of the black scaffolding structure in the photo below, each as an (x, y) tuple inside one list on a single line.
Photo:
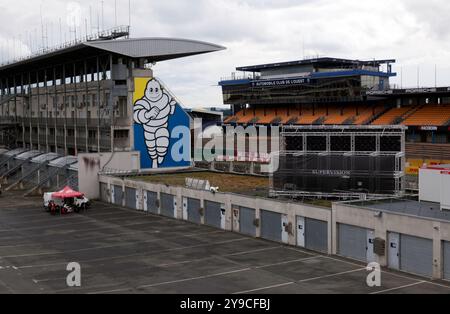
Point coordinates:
[(340, 162)]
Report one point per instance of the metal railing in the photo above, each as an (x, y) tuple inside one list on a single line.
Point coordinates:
[(113, 33)]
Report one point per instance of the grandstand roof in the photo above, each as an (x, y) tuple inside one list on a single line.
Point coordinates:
[(316, 61), (154, 49)]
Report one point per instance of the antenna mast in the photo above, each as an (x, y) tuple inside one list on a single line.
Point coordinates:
[(115, 13)]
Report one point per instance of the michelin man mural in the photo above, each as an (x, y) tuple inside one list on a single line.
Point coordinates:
[(153, 113)]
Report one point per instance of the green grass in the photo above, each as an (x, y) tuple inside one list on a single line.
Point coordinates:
[(231, 183)]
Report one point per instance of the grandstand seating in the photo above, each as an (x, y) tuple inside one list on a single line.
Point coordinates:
[(435, 115), (340, 116), (283, 115), (269, 117), (366, 115), (309, 117), (392, 115)]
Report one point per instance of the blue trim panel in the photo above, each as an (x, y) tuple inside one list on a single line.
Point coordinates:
[(352, 73), (235, 82)]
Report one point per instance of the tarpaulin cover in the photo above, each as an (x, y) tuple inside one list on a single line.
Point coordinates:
[(67, 192)]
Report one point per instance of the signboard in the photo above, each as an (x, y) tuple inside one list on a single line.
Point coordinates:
[(281, 82), (161, 126), (429, 128)]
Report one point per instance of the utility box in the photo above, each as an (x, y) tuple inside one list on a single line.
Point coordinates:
[(445, 190), (429, 184), (434, 185), (379, 246)]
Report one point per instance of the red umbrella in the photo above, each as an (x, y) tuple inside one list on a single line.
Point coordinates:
[(67, 192)]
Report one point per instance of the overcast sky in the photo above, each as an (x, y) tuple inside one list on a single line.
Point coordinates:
[(414, 32)]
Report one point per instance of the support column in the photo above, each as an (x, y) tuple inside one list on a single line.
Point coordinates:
[(98, 103), (66, 105), (75, 119), (38, 111), (86, 93), (47, 111)]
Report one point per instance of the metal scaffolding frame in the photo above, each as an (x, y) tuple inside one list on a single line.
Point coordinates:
[(310, 166)]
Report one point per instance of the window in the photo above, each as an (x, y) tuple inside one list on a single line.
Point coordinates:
[(121, 134), (123, 112)]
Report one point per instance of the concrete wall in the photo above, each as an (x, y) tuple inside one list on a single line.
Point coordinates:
[(231, 201), (437, 231), (89, 165)]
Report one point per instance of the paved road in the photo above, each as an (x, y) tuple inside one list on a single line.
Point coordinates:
[(122, 251)]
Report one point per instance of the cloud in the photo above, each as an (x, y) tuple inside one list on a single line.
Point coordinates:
[(258, 31)]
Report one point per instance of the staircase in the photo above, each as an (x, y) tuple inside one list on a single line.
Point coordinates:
[(13, 170), (5, 162), (51, 174), (411, 112), (26, 176), (4, 100), (376, 116)]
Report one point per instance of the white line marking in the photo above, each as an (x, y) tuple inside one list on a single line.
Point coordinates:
[(174, 281), (98, 229), (342, 261), (80, 239), (299, 250), (213, 256), (92, 288), (402, 287), (137, 254), (266, 288), (254, 251), (410, 278), (332, 275), (111, 291), (106, 246), (195, 278), (106, 221), (287, 262)]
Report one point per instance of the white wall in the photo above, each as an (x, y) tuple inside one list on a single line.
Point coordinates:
[(89, 166), (445, 191), (429, 185), (231, 201), (435, 230)]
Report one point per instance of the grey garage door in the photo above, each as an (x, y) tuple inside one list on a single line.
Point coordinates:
[(316, 235), (152, 202), (213, 214), (167, 205), (194, 210), (247, 218), (447, 260), (104, 192), (416, 255), (118, 195), (353, 242), (271, 226), (130, 198)]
